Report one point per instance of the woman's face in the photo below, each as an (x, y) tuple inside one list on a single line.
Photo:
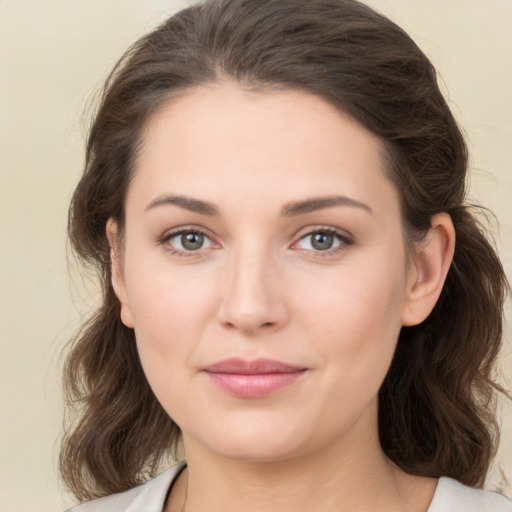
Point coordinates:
[(263, 270)]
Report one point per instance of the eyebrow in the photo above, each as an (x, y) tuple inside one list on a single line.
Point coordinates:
[(289, 210), (188, 203), (320, 203)]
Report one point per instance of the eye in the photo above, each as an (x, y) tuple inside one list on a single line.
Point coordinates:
[(187, 241), (323, 240)]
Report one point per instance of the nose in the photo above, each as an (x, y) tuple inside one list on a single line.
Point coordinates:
[(253, 297)]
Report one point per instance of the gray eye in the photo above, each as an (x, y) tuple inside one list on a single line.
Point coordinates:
[(322, 241), (187, 241), (192, 241)]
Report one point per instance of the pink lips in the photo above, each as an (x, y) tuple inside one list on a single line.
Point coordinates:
[(252, 379)]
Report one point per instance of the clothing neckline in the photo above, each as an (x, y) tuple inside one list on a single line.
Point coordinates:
[(449, 495), (443, 486)]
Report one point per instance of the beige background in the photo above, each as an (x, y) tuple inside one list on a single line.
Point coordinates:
[(53, 55)]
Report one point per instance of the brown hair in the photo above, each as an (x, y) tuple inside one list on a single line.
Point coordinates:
[(436, 406)]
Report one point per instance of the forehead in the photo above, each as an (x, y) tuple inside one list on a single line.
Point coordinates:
[(226, 142)]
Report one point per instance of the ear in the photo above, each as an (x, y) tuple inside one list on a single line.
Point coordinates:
[(118, 282), (429, 269)]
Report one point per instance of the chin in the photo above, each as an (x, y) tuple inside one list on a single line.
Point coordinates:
[(253, 439), (258, 450)]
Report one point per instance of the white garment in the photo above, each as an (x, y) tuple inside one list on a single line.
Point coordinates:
[(450, 496)]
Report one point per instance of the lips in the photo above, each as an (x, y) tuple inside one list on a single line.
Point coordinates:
[(252, 379)]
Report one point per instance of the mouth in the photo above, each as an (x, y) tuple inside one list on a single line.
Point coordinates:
[(252, 379)]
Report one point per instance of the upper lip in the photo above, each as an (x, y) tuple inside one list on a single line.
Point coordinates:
[(240, 366)]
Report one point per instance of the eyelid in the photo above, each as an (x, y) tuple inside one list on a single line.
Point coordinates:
[(346, 239), (171, 233)]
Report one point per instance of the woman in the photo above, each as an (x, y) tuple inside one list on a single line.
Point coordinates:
[(292, 283)]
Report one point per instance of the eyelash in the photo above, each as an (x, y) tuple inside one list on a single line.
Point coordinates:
[(345, 240), (173, 234)]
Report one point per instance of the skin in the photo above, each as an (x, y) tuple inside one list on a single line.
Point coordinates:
[(259, 288)]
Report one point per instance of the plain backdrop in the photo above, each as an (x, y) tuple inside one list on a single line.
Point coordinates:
[(54, 55)]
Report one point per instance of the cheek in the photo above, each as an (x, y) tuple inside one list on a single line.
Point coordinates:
[(169, 310), (355, 320), (165, 298)]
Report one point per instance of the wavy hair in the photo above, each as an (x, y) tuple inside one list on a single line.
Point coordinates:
[(436, 405)]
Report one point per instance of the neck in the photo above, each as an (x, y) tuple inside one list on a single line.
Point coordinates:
[(353, 475)]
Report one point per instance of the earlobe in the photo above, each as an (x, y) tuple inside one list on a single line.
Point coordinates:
[(118, 282), (433, 258)]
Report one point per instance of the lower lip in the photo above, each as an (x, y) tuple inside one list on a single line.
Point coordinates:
[(254, 385)]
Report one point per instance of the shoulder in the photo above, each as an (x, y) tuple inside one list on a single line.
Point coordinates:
[(452, 496), (149, 497)]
